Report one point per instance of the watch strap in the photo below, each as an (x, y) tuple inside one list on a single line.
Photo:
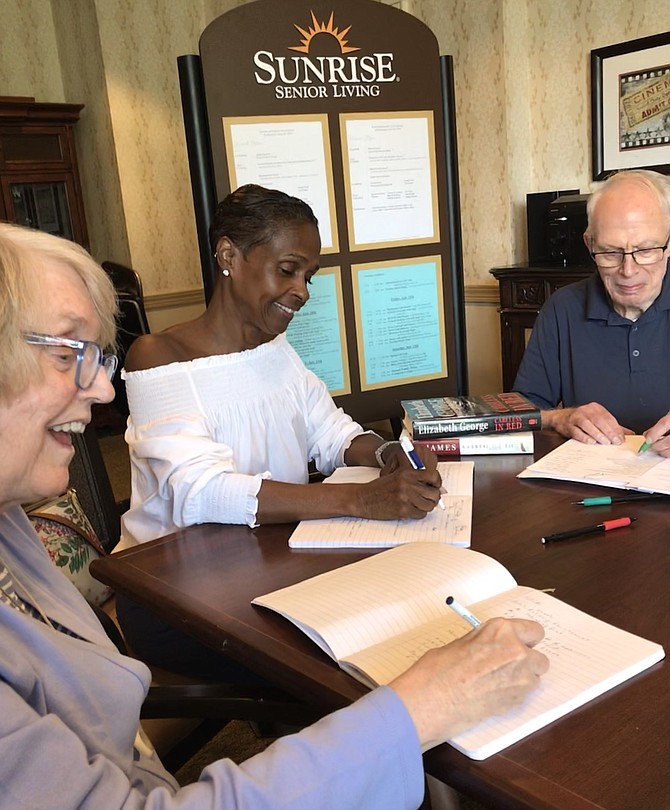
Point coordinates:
[(379, 452)]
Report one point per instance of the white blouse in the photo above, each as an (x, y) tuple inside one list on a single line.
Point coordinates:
[(203, 434)]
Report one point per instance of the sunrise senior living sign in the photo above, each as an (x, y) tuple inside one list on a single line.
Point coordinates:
[(340, 104), (338, 76)]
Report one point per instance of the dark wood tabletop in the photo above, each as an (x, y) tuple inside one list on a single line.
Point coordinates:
[(613, 753)]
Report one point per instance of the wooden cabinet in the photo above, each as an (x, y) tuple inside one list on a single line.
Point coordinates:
[(39, 178), (523, 290)]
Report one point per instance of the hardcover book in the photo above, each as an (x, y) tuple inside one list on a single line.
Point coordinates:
[(487, 444), (376, 616), (442, 417)]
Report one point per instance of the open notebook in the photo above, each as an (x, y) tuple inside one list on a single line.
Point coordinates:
[(453, 524), (378, 615), (607, 465)]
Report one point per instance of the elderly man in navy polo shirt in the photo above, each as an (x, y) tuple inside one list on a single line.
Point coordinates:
[(598, 360)]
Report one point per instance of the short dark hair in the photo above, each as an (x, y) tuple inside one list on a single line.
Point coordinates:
[(252, 215)]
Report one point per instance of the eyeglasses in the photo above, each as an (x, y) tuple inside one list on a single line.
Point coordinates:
[(88, 358), (641, 256)]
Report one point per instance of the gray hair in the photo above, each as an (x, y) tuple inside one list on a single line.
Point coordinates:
[(20, 303), (658, 184)]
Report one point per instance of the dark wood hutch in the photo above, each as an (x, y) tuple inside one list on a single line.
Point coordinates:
[(523, 290), (39, 177)]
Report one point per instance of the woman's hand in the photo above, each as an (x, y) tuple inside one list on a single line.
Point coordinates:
[(486, 672), (395, 458), (404, 493)]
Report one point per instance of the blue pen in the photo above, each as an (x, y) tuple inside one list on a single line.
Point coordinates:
[(415, 459)]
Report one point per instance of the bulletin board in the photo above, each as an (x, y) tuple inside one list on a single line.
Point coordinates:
[(348, 106)]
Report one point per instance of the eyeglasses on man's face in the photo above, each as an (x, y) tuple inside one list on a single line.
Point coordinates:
[(86, 356), (609, 259)]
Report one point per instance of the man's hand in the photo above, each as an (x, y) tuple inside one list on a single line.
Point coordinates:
[(658, 436), (591, 424), (486, 672)]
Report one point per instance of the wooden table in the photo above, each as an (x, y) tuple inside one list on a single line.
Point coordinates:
[(613, 753)]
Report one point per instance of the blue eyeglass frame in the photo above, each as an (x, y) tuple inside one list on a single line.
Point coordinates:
[(107, 361)]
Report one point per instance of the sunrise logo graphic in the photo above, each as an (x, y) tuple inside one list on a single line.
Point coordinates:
[(322, 28)]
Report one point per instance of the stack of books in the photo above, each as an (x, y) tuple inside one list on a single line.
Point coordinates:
[(477, 425)]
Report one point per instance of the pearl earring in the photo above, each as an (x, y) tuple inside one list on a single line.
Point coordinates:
[(226, 271)]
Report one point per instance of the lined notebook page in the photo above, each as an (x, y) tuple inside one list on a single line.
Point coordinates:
[(376, 598), (587, 658), (607, 465), (453, 524)]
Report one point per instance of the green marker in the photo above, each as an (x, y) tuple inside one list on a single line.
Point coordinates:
[(606, 500), (644, 447)]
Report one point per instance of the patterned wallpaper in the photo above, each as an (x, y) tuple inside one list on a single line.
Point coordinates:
[(83, 72), (522, 78), (28, 51), (522, 91)]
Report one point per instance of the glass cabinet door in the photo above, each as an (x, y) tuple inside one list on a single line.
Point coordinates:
[(42, 202), (43, 206)]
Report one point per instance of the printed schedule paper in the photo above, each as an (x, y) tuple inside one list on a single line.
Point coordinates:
[(452, 525), (375, 617)]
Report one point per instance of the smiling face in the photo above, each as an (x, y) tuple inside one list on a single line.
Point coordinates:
[(627, 217), (269, 286), (35, 423)]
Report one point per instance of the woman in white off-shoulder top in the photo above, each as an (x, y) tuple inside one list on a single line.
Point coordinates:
[(225, 417)]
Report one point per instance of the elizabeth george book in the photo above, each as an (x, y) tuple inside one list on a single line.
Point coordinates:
[(378, 615), (443, 417)]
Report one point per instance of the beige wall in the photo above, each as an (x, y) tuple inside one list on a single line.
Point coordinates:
[(522, 93)]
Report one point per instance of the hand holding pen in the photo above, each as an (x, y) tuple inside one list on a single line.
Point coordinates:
[(657, 437), (415, 461)]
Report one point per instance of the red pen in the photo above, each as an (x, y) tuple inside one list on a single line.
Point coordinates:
[(605, 526)]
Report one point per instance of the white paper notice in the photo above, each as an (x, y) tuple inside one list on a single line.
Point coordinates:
[(392, 183), (288, 153)]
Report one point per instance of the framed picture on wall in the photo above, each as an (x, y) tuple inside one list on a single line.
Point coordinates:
[(630, 106)]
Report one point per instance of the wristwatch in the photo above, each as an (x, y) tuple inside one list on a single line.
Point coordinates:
[(379, 452)]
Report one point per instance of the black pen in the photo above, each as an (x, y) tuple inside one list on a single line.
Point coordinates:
[(605, 526), (606, 500)]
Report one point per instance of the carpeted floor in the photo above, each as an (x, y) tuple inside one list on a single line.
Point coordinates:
[(236, 741)]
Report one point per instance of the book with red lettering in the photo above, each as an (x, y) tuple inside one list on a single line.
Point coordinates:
[(486, 444), (448, 417)]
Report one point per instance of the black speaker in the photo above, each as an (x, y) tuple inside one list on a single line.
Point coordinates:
[(537, 221), (567, 223)]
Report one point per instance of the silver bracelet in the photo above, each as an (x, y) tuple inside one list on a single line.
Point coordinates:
[(379, 452)]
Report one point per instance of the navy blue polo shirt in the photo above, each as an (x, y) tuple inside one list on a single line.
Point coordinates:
[(582, 351)]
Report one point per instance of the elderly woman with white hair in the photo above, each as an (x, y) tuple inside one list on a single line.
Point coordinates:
[(69, 722)]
